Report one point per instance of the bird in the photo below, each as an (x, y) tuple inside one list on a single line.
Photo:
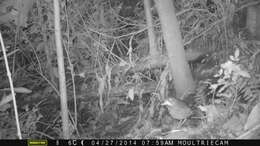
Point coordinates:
[(178, 109)]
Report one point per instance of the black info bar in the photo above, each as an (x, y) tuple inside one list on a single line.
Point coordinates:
[(130, 142)]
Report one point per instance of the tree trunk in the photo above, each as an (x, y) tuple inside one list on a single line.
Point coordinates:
[(253, 21), (183, 81), (149, 22), (62, 77)]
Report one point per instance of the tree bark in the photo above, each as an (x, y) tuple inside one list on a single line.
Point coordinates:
[(149, 22), (183, 81), (62, 77)]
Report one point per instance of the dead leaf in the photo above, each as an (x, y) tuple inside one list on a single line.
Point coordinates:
[(235, 123), (211, 111), (22, 90), (178, 134), (18, 90), (131, 94), (101, 88), (253, 118), (6, 99), (5, 107)]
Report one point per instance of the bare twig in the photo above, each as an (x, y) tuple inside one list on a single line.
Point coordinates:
[(12, 88), (9, 54), (71, 72)]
